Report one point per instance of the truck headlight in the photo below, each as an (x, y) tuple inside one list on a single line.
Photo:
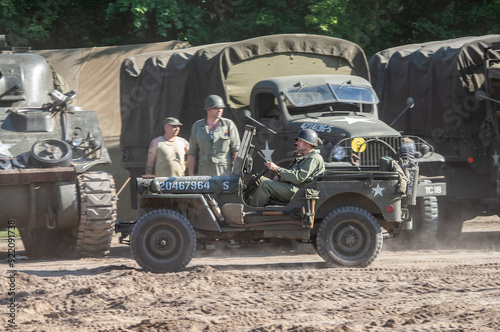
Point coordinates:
[(338, 152)]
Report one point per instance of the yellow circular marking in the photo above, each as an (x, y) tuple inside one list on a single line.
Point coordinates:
[(358, 145)]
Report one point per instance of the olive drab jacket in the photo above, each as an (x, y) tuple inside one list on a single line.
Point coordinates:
[(303, 169), (214, 150)]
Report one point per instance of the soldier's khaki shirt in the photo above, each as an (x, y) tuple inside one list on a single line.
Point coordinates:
[(214, 151), (171, 157)]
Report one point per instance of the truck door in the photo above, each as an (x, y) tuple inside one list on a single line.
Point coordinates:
[(276, 142)]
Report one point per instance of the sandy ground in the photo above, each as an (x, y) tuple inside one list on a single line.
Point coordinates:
[(455, 288)]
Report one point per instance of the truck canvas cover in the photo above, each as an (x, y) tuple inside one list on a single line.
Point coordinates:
[(176, 83), (93, 73), (442, 110)]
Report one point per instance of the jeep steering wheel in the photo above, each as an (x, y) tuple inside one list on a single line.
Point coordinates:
[(256, 178)]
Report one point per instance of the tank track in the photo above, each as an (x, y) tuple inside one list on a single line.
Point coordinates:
[(98, 206)]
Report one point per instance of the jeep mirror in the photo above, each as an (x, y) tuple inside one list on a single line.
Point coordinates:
[(247, 115)]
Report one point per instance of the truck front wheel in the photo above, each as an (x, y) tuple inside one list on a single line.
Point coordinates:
[(425, 225), (163, 241), (349, 236)]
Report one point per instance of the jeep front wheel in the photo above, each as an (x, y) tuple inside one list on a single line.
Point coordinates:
[(349, 236), (163, 241)]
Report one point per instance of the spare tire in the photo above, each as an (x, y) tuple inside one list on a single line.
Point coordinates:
[(51, 152)]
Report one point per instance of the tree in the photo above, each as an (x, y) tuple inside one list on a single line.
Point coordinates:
[(373, 24), (24, 20), (251, 18), (151, 20)]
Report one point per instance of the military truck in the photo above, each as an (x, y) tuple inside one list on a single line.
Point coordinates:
[(341, 213), (47, 149), (279, 83), (455, 84)]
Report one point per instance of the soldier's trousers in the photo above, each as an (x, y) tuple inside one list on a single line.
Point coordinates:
[(270, 189)]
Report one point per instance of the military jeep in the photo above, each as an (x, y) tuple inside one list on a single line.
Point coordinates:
[(341, 213)]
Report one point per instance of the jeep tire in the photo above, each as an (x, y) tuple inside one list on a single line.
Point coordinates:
[(349, 236), (163, 241)]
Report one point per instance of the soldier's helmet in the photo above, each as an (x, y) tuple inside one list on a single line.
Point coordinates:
[(308, 136), (214, 101)]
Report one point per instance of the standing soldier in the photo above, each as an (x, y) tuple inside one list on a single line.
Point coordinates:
[(214, 141), (167, 153)]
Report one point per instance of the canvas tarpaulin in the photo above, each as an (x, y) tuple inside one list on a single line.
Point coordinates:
[(144, 79), (442, 77), (94, 74), (176, 83)]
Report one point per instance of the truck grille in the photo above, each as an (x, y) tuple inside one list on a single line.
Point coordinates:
[(374, 149)]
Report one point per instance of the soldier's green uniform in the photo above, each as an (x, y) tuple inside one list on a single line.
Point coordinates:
[(302, 171), (214, 151)]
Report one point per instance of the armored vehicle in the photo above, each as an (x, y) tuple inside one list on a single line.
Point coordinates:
[(343, 213), (47, 149), (280, 84), (456, 87)]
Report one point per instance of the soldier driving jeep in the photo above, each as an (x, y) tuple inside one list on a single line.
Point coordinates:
[(287, 182)]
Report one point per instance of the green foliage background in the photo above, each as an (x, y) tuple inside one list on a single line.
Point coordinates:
[(373, 24)]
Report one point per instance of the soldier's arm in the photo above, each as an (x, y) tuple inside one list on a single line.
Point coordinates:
[(192, 152), (153, 147), (300, 175), (235, 154), (186, 149), (235, 139), (191, 163)]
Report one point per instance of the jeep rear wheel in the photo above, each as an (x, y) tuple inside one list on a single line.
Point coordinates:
[(163, 241), (349, 236)]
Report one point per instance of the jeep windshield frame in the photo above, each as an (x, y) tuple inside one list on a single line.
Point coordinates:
[(303, 94)]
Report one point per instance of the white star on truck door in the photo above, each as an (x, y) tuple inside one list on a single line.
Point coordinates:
[(378, 190), (495, 158), (267, 152)]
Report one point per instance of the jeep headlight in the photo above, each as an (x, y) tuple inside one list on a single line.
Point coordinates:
[(154, 186)]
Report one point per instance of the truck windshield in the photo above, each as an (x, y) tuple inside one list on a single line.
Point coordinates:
[(304, 95)]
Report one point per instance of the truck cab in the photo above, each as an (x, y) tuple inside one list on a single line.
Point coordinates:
[(342, 109)]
